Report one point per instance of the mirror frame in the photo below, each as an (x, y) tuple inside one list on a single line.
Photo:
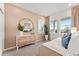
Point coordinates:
[(23, 19)]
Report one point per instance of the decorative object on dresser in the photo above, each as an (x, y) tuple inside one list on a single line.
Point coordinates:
[(20, 28)]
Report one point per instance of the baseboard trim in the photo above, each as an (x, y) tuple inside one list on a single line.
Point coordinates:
[(9, 48)]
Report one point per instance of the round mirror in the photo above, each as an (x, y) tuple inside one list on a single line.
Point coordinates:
[(27, 24)]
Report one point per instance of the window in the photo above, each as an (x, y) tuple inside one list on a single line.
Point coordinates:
[(40, 26), (65, 24), (53, 25)]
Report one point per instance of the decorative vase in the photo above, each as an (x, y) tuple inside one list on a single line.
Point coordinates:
[(21, 33), (46, 37)]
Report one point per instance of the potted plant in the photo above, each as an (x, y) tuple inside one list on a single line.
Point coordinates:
[(20, 28), (46, 32)]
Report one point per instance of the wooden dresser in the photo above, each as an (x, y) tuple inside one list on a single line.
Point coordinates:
[(25, 40)]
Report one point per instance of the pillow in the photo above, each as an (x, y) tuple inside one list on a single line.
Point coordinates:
[(65, 35), (65, 40), (69, 34), (73, 46)]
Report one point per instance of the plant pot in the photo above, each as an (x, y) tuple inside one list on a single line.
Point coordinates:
[(21, 33), (46, 37)]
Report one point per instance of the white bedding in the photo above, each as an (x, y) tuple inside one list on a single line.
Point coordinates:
[(56, 45)]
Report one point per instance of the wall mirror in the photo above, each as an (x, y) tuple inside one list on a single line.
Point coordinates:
[(27, 24)]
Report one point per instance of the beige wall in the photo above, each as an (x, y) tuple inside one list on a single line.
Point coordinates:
[(75, 16), (13, 15)]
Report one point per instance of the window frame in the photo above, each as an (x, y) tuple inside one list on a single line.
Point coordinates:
[(54, 25), (65, 18), (42, 27)]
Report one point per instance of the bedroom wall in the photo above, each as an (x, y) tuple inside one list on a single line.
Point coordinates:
[(75, 16), (1, 28), (13, 15)]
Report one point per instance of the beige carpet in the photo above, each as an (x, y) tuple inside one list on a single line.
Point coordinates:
[(30, 50)]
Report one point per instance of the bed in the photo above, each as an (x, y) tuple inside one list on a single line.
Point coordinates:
[(55, 48)]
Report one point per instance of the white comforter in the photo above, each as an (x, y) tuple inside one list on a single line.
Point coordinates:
[(56, 45)]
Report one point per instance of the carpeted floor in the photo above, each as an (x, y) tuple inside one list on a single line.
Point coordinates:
[(30, 50)]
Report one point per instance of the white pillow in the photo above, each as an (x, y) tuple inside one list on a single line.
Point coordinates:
[(73, 46)]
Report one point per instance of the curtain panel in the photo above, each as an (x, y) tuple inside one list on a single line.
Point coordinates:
[(75, 16)]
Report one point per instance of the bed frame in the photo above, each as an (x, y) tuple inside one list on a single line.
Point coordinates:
[(45, 51)]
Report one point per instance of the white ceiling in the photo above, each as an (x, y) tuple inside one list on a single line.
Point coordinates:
[(44, 9)]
